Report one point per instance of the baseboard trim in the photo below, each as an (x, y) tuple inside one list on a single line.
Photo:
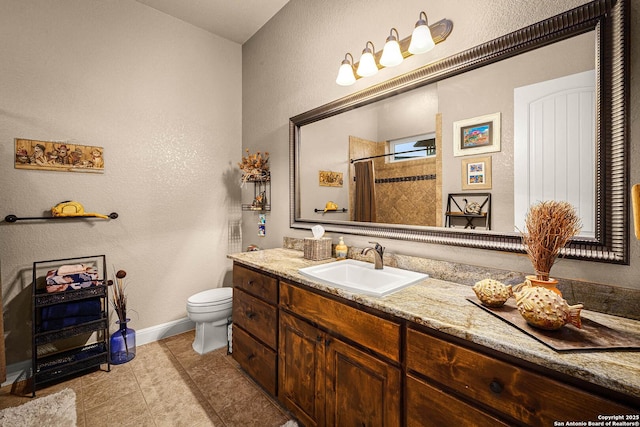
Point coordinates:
[(164, 330), (19, 370)]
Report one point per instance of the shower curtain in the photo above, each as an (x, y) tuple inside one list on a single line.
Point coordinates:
[(365, 197)]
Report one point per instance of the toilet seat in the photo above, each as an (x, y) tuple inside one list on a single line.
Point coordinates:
[(217, 299)]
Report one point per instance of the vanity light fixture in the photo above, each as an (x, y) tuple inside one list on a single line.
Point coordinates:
[(345, 73), (391, 54), (423, 39), (367, 66)]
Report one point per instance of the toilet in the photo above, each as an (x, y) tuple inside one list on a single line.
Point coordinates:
[(210, 310)]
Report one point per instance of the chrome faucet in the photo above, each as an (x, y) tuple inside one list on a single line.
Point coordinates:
[(379, 253)]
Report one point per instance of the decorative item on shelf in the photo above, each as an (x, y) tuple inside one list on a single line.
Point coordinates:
[(323, 211), (472, 208), (545, 309), (330, 206), (255, 167), (71, 208), (123, 341), (341, 249), (72, 277), (549, 226), (423, 39), (13, 218), (492, 293), (259, 201)]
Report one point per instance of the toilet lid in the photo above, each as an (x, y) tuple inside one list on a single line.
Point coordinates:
[(212, 297)]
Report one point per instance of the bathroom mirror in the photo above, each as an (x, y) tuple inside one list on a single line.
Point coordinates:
[(413, 101)]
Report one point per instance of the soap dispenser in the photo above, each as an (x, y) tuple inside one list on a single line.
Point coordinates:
[(341, 249)]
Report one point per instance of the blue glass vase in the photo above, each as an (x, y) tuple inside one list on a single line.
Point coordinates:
[(122, 345)]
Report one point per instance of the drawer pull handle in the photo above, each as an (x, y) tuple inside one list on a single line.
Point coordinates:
[(250, 314), (496, 387), (251, 356), (250, 282)]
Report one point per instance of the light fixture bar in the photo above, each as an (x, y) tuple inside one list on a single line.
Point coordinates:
[(439, 31)]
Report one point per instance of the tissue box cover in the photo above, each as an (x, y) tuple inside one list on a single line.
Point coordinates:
[(317, 249)]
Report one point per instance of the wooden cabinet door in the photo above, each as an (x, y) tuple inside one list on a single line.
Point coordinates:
[(301, 379), (361, 390)]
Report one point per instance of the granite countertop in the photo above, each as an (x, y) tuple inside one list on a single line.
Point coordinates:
[(442, 305)]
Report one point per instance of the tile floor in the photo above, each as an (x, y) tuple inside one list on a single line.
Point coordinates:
[(168, 384)]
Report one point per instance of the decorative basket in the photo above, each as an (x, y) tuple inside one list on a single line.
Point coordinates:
[(317, 249)]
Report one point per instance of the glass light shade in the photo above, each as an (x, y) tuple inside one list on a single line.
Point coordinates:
[(391, 55), (345, 74), (421, 40), (367, 66)]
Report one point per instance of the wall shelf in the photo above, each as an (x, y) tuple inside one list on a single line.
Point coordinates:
[(455, 201), (14, 218), (261, 195), (331, 210)]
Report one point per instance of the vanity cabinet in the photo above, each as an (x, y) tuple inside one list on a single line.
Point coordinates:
[(255, 325), (333, 361), (338, 365), (453, 382)]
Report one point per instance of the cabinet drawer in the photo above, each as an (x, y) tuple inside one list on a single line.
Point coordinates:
[(524, 395), (257, 360), (375, 333), (430, 406), (256, 317), (255, 283)]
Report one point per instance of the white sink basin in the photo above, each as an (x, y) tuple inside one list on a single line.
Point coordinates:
[(362, 277)]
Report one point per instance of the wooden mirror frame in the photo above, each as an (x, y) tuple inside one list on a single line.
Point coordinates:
[(610, 20)]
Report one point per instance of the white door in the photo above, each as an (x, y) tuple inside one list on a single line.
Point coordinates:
[(554, 146)]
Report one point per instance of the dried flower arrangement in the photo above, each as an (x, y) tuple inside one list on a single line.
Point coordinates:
[(120, 306), (119, 298), (254, 167), (549, 227)]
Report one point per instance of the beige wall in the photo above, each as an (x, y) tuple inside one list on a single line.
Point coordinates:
[(164, 100), (290, 66)]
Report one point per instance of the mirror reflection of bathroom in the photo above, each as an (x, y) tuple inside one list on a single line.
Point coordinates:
[(565, 108)]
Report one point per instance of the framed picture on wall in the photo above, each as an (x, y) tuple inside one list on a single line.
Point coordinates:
[(58, 156), (477, 135), (476, 173), (330, 179)]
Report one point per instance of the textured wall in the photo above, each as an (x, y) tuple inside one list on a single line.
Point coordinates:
[(290, 66), (163, 99)]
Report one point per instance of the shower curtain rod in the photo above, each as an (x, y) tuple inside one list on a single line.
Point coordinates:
[(385, 155)]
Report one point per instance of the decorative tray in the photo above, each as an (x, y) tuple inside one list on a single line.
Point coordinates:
[(592, 336)]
